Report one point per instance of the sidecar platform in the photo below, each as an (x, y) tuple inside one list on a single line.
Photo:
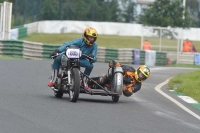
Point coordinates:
[(99, 92), (98, 89)]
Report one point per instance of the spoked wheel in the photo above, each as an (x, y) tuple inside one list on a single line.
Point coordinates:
[(75, 88), (58, 94), (115, 99)]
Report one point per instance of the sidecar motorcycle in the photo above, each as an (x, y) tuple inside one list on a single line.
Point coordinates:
[(70, 78)]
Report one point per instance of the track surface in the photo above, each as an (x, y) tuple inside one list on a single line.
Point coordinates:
[(27, 105)]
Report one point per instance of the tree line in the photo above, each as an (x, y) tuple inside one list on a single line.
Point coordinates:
[(161, 13)]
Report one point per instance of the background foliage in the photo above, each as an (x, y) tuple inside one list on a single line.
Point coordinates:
[(161, 13), (165, 13)]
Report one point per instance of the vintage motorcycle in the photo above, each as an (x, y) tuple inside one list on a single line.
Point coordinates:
[(70, 78)]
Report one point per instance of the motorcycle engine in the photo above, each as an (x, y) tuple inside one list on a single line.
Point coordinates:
[(64, 61)]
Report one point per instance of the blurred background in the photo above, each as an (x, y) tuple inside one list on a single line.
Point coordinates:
[(127, 11)]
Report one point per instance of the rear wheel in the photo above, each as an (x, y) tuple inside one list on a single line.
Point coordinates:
[(58, 93), (115, 99), (75, 88)]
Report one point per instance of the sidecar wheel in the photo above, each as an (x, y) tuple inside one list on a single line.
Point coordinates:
[(58, 94), (115, 99)]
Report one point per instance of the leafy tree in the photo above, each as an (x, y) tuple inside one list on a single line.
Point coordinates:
[(87, 10), (193, 8), (101, 13), (1, 1), (165, 13), (113, 9), (128, 11), (77, 9), (102, 10), (49, 10)]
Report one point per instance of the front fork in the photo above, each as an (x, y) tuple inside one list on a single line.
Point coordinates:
[(69, 77)]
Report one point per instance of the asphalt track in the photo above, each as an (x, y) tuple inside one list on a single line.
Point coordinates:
[(27, 105)]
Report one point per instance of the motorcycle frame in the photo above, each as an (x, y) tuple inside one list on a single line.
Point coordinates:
[(108, 92)]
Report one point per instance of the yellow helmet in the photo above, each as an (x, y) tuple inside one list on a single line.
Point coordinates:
[(142, 73), (90, 32)]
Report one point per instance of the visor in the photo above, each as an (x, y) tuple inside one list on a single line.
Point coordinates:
[(141, 76), (92, 40)]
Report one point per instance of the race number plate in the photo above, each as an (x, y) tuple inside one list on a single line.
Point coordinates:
[(73, 53)]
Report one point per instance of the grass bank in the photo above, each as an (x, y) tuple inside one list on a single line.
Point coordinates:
[(109, 41), (187, 83), (102, 40)]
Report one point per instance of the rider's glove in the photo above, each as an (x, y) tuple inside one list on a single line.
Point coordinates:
[(53, 55), (114, 63), (90, 57)]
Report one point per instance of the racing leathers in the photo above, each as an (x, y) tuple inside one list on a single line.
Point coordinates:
[(85, 50), (131, 85)]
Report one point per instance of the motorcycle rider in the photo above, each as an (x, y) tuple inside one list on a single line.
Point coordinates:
[(132, 79), (86, 44)]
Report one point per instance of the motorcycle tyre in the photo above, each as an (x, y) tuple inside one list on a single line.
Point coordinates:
[(115, 99), (115, 84), (58, 94), (74, 94)]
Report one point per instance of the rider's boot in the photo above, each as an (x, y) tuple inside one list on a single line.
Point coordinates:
[(53, 78), (86, 85), (85, 80)]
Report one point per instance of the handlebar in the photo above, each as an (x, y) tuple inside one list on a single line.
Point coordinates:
[(64, 52), (57, 54)]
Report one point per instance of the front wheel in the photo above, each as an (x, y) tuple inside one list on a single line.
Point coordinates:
[(115, 99), (75, 88)]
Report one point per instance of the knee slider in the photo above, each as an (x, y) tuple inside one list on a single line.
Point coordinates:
[(127, 93)]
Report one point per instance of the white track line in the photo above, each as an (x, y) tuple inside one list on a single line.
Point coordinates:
[(158, 89)]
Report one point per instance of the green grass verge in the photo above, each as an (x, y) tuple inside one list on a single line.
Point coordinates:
[(102, 41), (109, 41), (187, 83)]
